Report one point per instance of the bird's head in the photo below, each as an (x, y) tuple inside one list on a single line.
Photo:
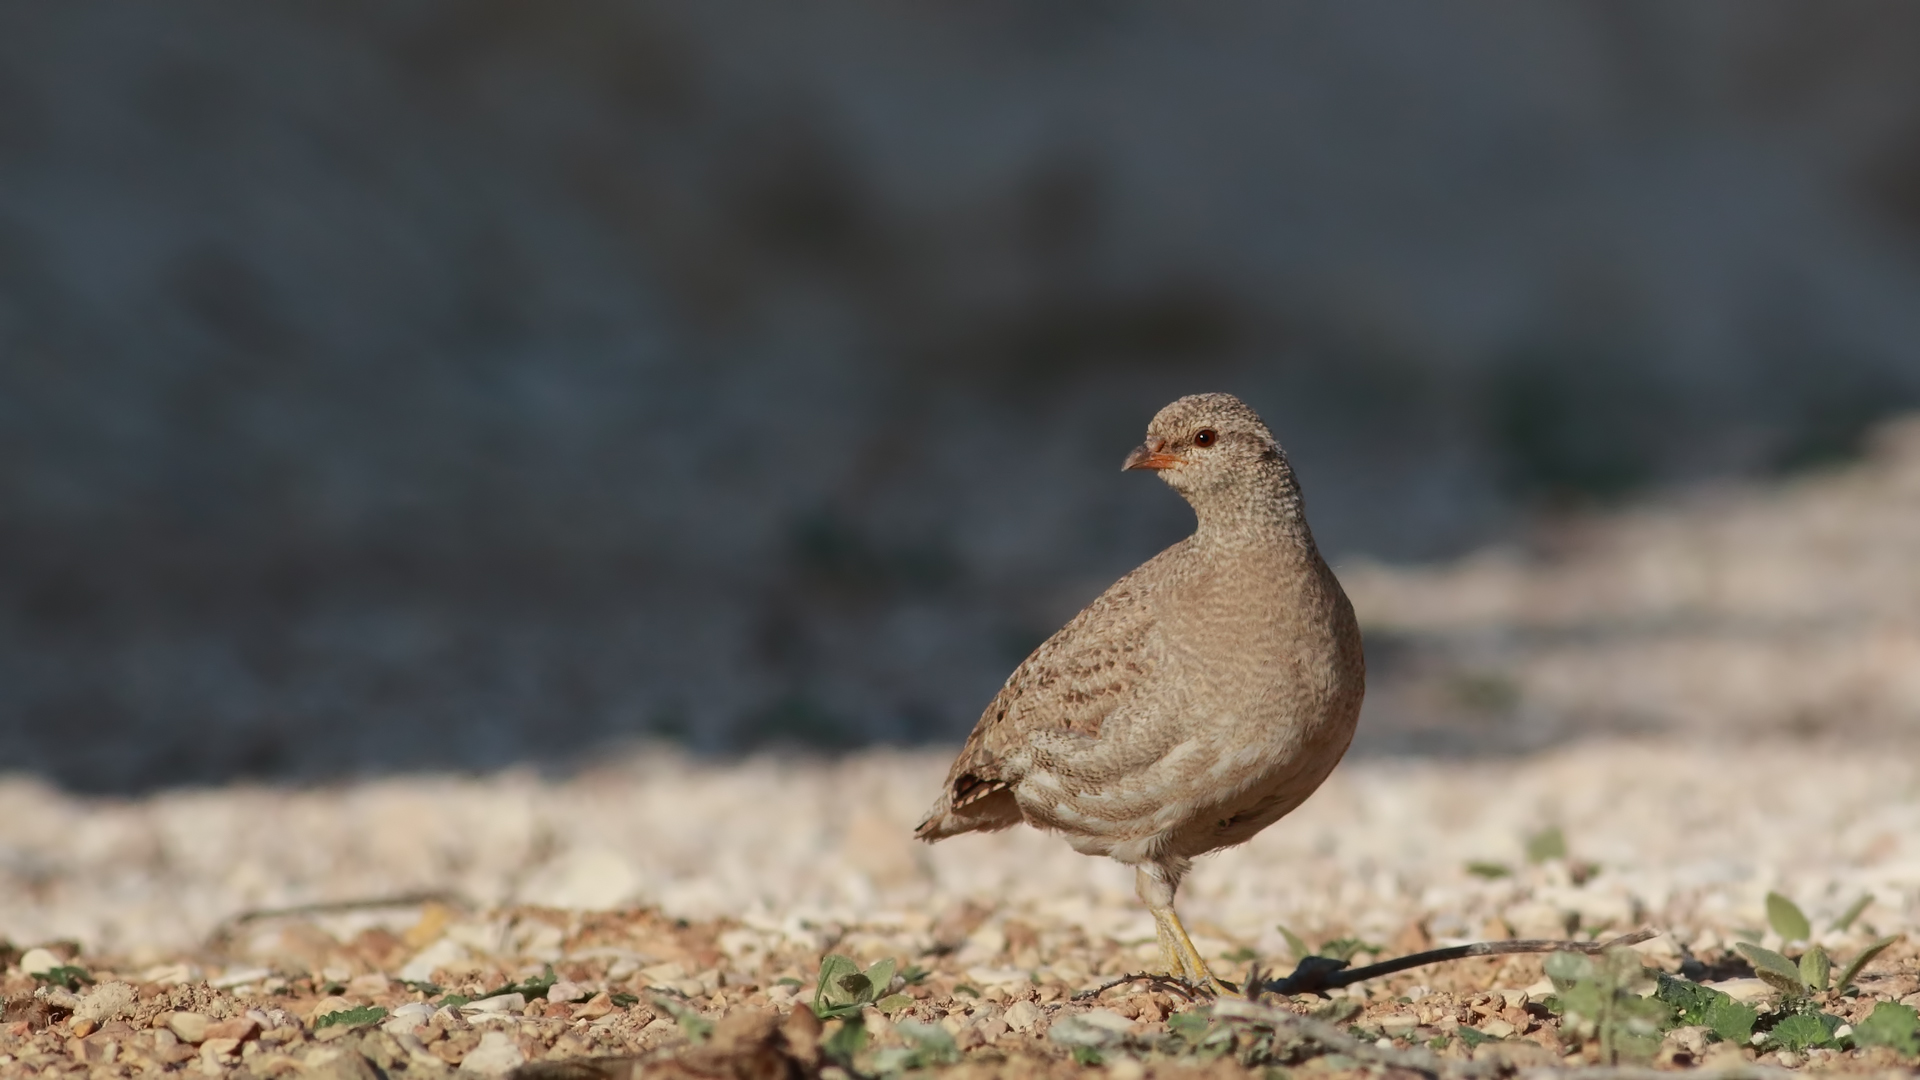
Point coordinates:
[(1205, 442)]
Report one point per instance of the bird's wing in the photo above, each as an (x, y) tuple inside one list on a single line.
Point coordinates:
[(1069, 685)]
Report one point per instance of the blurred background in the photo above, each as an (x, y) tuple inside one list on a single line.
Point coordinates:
[(447, 385)]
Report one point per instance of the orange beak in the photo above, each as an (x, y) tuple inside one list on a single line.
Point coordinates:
[(1150, 456)]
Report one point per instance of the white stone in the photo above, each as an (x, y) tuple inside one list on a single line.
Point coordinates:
[(407, 1018), (39, 962), (1022, 1015), (499, 1003), (496, 1055), (1747, 990), (1107, 1020), (441, 953)]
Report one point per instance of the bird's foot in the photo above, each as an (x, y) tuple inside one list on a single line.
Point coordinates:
[(1182, 960)]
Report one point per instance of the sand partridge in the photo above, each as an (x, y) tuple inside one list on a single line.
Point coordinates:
[(1198, 700)]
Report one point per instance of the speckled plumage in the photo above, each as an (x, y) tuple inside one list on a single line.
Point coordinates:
[(1195, 702)]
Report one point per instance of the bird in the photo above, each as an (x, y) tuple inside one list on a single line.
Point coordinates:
[(1198, 700)]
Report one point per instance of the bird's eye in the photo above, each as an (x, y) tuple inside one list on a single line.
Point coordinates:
[(1204, 437)]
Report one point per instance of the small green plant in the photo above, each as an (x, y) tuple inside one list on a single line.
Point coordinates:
[(366, 1014), (1890, 1024), (847, 1040), (1595, 1001), (1730, 1020), (1492, 871), (1473, 1037), (843, 989), (624, 1000), (66, 975), (532, 988), (1546, 845), (1191, 1025), (697, 1028), (928, 1045), (1812, 973), (1087, 1055), (1804, 1031)]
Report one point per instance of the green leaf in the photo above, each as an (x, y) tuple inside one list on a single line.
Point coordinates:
[(1489, 870), (843, 1044), (1732, 1020), (1549, 843), (366, 1014), (880, 979), (1804, 1031), (453, 1001), (1890, 1024), (66, 975), (893, 1003), (532, 988), (1860, 962), (696, 1027), (1787, 919), (830, 996), (1191, 1026), (624, 1001), (968, 989), (1846, 918), (1473, 1037), (1568, 968), (1815, 968), (1602, 1005), (915, 974), (1294, 942), (1696, 1004), (1775, 970), (1689, 999), (931, 1043), (1087, 1055)]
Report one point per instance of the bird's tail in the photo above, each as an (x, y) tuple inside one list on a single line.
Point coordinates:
[(979, 807)]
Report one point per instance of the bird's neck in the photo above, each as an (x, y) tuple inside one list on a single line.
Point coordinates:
[(1262, 512)]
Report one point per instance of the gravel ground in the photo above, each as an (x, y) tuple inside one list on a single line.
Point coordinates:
[(1709, 700), (732, 878)]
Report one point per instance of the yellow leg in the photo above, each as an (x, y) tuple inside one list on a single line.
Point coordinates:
[(1182, 960)]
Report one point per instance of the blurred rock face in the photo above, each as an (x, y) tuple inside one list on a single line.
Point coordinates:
[(452, 384)]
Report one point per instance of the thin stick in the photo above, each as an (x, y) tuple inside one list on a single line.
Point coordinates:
[(1163, 982), (224, 930), (1318, 974), (1310, 978)]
